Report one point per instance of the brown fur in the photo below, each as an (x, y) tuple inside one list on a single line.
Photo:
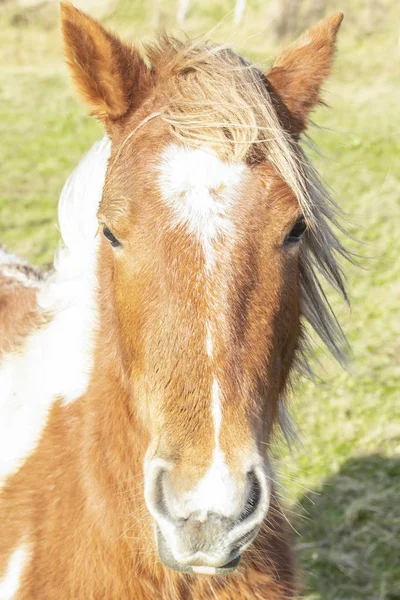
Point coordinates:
[(99, 63), (18, 308), (300, 70), (78, 498)]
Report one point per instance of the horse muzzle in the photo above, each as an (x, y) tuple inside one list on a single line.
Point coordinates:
[(205, 541), (196, 562)]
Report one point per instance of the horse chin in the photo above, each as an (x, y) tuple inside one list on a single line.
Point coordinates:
[(168, 560)]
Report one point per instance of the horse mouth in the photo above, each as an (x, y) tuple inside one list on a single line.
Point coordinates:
[(168, 560)]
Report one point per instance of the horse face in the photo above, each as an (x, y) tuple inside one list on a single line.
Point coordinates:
[(205, 283), (200, 262)]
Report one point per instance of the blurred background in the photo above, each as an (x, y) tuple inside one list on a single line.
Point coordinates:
[(341, 486)]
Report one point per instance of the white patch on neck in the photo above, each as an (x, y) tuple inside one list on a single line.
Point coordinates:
[(56, 360), (10, 582), (200, 189)]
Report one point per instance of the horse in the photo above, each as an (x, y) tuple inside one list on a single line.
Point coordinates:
[(142, 381)]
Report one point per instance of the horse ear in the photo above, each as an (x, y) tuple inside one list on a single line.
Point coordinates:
[(110, 76), (299, 71)]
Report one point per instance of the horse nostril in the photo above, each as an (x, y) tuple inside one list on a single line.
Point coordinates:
[(155, 496), (253, 498)]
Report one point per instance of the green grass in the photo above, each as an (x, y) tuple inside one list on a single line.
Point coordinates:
[(342, 487), (43, 135)]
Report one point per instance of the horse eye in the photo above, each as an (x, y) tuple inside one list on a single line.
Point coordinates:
[(111, 237), (297, 231)]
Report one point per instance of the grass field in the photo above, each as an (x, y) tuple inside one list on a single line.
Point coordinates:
[(342, 487)]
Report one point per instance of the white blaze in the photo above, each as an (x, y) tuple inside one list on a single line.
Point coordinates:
[(200, 190), (216, 410)]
